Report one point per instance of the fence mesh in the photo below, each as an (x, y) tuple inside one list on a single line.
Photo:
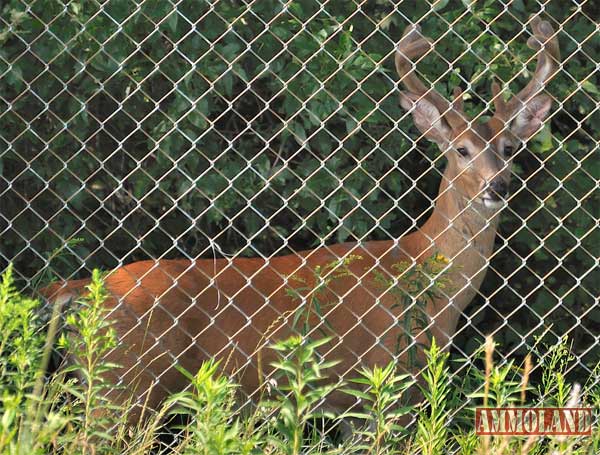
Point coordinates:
[(155, 129)]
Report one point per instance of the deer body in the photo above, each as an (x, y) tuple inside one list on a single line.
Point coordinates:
[(194, 320), (178, 311)]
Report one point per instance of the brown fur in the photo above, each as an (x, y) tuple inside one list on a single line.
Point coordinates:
[(191, 324)]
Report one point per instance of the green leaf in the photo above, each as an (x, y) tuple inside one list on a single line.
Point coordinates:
[(172, 21), (543, 140), (440, 4), (590, 87)]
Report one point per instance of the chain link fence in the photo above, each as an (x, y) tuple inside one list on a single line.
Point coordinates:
[(155, 129)]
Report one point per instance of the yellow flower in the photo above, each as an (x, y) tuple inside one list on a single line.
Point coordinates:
[(441, 258)]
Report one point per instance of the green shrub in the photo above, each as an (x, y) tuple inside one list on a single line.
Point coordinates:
[(117, 114)]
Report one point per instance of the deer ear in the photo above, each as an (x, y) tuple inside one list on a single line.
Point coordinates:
[(427, 118), (529, 120)]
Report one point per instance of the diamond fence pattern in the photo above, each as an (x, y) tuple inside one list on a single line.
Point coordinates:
[(157, 129)]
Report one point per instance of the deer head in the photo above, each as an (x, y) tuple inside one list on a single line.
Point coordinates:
[(479, 154)]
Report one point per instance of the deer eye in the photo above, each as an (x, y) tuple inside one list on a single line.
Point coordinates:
[(508, 150), (463, 151)]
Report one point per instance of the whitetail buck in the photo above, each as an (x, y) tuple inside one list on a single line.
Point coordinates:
[(184, 312)]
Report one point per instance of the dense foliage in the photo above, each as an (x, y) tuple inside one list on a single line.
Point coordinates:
[(148, 130), (66, 411)]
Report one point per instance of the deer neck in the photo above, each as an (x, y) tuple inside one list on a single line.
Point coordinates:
[(464, 233), (458, 225)]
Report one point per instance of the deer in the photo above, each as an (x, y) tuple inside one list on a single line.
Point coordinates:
[(180, 313)]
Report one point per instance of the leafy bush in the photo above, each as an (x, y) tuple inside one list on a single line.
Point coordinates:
[(152, 129)]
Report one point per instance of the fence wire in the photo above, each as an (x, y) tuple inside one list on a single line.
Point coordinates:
[(232, 129)]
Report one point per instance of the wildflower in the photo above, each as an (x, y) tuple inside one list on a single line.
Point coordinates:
[(439, 257)]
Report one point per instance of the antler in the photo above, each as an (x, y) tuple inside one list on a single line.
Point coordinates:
[(412, 46), (543, 41)]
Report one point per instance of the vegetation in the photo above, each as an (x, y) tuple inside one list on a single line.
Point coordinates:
[(169, 129), (215, 117), (69, 413)]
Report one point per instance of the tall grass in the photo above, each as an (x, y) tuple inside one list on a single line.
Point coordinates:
[(67, 412)]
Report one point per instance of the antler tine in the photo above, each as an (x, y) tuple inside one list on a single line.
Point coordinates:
[(545, 42), (413, 45), (499, 103), (457, 103)]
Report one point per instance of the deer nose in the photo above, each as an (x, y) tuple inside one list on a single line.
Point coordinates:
[(499, 188)]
